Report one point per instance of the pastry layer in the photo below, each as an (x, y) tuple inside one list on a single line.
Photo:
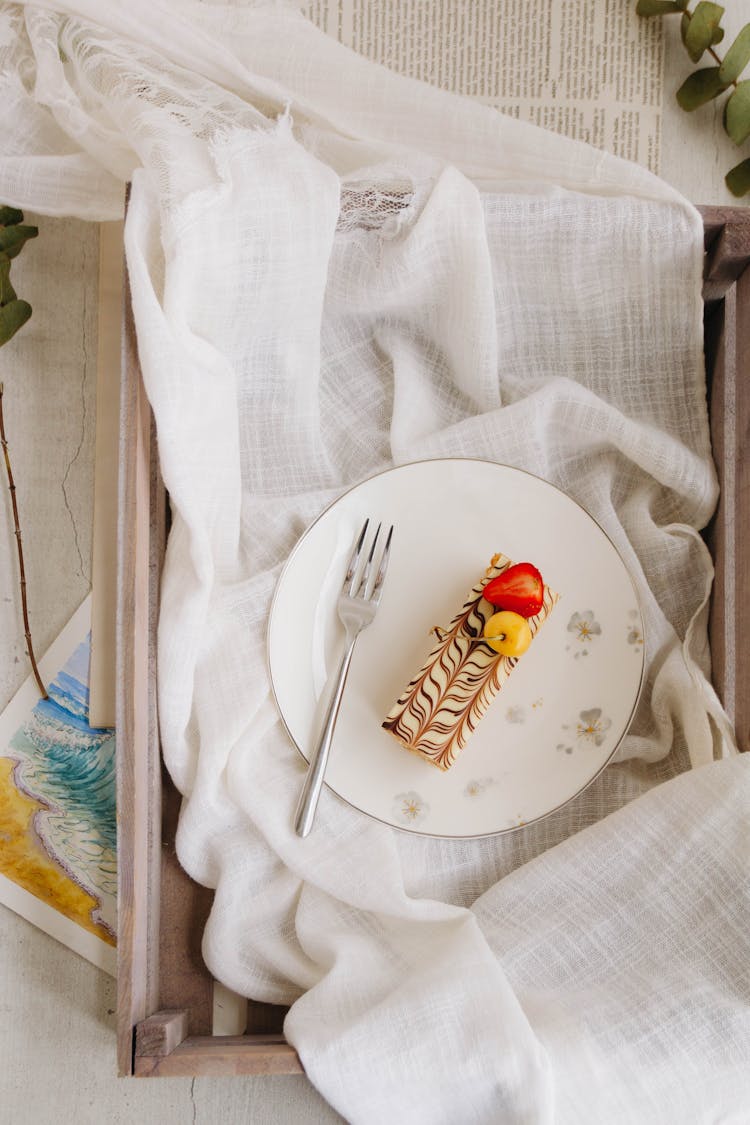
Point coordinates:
[(442, 705)]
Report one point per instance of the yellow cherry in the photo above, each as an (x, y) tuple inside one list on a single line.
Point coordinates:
[(508, 633)]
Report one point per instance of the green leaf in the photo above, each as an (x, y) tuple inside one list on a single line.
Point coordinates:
[(12, 317), (7, 292), (737, 57), (684, 25), (700, 31), (9, 216), (718, 35), (700, 87), (658, 7), (12, 239), (737, 114), (738, 180)]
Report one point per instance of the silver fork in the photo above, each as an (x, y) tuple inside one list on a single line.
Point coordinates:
[(357, 605)]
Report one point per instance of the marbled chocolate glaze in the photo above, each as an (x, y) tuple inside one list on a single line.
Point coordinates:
[(442, 705)]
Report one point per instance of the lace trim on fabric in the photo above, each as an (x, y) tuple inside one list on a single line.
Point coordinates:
[(368, 206)]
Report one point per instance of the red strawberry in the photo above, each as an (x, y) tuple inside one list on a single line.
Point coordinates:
[(519, 588)]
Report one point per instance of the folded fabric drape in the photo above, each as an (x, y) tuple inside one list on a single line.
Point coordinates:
[(335, 269)]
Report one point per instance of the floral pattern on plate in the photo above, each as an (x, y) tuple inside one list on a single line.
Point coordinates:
[(635, 632), (478, 785), (517, 821), (590, 728), (585, 629), (518, 713), (409, 807)]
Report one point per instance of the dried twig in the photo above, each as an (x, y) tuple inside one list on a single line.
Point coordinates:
[(19, 543)]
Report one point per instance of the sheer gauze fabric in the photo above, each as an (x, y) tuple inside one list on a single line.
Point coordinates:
[(333, 270)]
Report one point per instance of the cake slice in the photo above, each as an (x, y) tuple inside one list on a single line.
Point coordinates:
[(442, 705)]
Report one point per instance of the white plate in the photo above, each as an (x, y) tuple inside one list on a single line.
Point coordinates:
[(559, 717)]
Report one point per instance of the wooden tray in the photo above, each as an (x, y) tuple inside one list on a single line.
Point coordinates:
[(164, 990)]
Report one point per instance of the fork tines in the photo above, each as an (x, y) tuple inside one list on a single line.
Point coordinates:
[(360, 588)]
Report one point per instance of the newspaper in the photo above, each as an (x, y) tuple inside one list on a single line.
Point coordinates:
[(590, 69)]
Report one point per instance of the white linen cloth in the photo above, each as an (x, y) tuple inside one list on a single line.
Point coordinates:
[(536, 302)]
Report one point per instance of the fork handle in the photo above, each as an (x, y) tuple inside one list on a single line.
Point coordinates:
[(308, 798)]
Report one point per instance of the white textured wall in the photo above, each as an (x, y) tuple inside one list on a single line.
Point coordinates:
[(57, 1045), (49, 372)]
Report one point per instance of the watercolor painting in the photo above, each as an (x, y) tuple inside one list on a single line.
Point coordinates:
[(58, 857)]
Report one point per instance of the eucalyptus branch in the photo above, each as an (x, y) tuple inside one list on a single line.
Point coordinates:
[(701, 31), (13, 315)]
